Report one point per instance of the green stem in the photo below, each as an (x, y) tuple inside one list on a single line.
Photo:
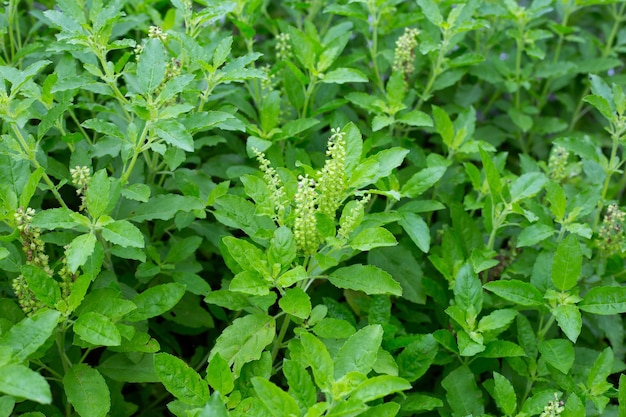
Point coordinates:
[(308, 95), (374, 51), (435, 69), (30, 155), (281, 335), (139, 147), (611, 169), (619, 18)]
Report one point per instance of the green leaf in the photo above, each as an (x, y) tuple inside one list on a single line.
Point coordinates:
[(30, 334), (422, 181), (319, 359), (521, 120), (569, 320), (270, 111), (87, 391), (379, 387), (462, 393), (296, 302), (97, 329), (300, 385), (417, 229), (218, 375), (249, 282), (330, 327), (493, 176), (400, 262), (294, 127), (181, 380), (621, 396), (344, 75), (7, 403), (79, 250), (282, 248), (98, 194), (373, 237), (366, 278), (22, 382), (574, 407), (567, 264), (420, 402), (534, 234), (58, 218), (155, 301), (123, 233), (137, 192), (518, 292), (30, 187), (175, 134), (359, 352), (604, 301), (247, 255), (527, 185), (504, 394), (431, 11), (444, 126), (222, 51), (120, 367), (151, 66), (244, 340), (468, 292), (600, 371), (45, 288), (277, 401), (497, 320), (165, 207), (417, 357), (416, 118), (557, 352), (502, 349)]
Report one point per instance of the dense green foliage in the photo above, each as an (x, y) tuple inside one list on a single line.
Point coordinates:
[(312, 208)]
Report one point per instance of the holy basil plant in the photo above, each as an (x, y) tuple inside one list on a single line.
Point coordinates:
[(312, 208)]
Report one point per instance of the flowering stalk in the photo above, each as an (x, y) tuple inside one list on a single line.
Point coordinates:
[(34, 248)]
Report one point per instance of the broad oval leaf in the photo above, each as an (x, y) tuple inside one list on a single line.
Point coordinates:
[(30, 334), (123, 233), (97, 329), (558, 352), (359, 352), (567, 264), (155, 301), (22, 382), (87, 391), (518, 292), (151, 66), (373, 237), (181, 380), (277, 401), (366, 278), (604, 301), (244, 340)]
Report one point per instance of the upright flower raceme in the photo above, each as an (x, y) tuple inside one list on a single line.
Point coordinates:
[(305, 224), (312, 198), (404, 54), (283, 47), (278, 197), (611, 233), (34, 248), (81, 175), (553, 408), (332, 178), (557, 163)]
